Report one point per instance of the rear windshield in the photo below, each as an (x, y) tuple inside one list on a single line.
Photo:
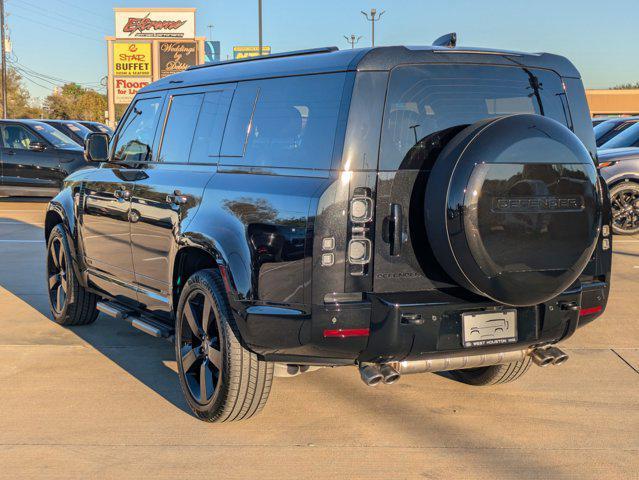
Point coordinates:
[(608, 130), (428, 104)]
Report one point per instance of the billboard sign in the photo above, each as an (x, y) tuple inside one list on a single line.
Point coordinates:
[(127, 87), (132, 59), (250, 51), (176, 57), (154, 23), (212, 51)]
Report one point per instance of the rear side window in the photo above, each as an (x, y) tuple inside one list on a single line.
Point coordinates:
[(183, 114), (135, 137), (427, 104), (284, 122)]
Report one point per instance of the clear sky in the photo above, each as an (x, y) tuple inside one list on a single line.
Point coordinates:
[(65, 38)]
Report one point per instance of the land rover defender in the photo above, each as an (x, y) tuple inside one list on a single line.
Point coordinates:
[(397, 209)]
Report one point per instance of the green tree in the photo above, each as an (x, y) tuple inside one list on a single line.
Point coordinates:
[(74, 102), (626, 86), (19, 104)]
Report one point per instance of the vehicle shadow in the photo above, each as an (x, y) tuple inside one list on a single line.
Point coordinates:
[(25, 199), (149, 360)]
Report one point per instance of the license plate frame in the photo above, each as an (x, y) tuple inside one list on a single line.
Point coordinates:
[(484, 328)]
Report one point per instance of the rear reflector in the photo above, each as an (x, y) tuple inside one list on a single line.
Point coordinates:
[(348, 332), (589, 311)]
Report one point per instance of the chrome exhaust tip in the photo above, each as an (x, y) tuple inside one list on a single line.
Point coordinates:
[(389, 373), (542, 357), (371, 374), (559, 355)]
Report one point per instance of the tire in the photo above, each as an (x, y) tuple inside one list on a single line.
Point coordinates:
[(493, 375), (624, 201), (236, 382), (70, 304)]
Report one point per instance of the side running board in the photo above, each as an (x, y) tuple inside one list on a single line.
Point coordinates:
[(142, 323)]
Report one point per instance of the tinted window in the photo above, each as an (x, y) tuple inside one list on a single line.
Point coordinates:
[(54, 136), (210, 127), (428, 104), (292, 124), (610, 133), (135, 137), (628, 138), (17, 137), (180, 128)]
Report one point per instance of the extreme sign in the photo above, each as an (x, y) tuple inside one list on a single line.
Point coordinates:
[(132, 59)]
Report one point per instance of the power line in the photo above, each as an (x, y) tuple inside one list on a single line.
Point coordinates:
[(37, 8), (64, 2), (56, 28)]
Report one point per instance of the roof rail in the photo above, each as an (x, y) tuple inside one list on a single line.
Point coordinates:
[(294, 53)]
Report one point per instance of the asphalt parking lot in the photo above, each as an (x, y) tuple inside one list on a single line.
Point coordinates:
[(104, 401)]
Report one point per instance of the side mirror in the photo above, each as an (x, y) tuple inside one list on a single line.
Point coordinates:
[(37, 146), (96, 147)]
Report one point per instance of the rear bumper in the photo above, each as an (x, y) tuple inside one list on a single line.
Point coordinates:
[(413, 326)]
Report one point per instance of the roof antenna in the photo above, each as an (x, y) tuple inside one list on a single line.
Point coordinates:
[(449, 40)]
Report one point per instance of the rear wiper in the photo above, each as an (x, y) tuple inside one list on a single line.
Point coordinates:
[(537, 87)]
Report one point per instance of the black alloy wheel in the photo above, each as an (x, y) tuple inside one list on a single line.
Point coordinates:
[(201, 351), (624, 199), (222, 381), (57, 268)]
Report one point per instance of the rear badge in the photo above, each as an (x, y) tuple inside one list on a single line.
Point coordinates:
[(537, 204), (489, 328)]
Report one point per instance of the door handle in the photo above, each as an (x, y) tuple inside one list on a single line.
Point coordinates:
[(177, 198), (395, 232), (10, 152), (122, 194)]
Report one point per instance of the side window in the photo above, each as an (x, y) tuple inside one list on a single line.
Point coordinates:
[(180, 128), (284, 122), (210, 127), (17, 137), (135, 138)]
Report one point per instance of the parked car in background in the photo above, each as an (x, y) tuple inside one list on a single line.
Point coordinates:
[(620, 169), (627, 138), (96, 127), (397, 209), (35, 158), (610, 128), (597, 120), (74, 130)]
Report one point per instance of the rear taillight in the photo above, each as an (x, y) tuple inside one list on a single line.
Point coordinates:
[(360, 246)]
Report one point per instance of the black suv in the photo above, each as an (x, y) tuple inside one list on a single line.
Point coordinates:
[(400, 209), (35, 158)]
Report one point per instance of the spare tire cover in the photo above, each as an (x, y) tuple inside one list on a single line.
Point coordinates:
[(513, 208)]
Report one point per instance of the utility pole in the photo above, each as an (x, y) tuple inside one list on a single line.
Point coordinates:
[(352, 40), (372, 19), (210, 27), (259, 20), (4, 62)]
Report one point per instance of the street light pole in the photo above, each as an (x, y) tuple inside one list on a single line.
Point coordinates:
[(372, 19), (4, 62), (259, 20), (210, 27), (352, 40)]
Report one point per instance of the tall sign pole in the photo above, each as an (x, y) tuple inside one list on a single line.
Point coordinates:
[(4, 62), (259, 21)]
